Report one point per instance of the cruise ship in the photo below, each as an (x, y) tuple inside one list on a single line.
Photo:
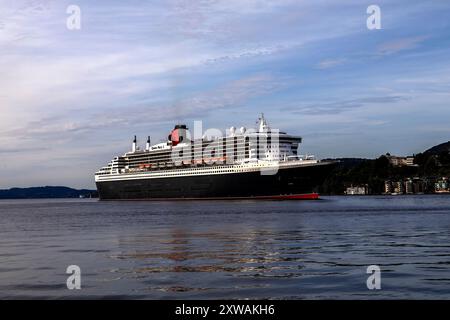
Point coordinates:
[(259, 163)]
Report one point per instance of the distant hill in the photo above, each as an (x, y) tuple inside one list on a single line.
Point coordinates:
[(45, 192), (443, 147)]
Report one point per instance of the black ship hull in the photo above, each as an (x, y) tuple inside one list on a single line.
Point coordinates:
[(290, 183)]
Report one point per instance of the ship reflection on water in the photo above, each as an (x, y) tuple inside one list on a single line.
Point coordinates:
[(238, 255)]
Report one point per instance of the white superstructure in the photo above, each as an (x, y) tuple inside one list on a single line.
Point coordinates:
[(242, 150)]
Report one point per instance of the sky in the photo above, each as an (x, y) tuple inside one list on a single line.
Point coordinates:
[(71, 99)]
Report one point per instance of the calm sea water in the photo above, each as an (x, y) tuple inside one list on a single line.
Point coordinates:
[(227, 250)]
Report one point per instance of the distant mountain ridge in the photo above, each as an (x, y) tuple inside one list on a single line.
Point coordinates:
[(443, 147), (46, 192)]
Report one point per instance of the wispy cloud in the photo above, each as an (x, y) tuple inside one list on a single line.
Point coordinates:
[(345, 105), (232, 94), (330, 63), (401, 44)]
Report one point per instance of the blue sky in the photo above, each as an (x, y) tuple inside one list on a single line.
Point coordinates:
[(72, 99)]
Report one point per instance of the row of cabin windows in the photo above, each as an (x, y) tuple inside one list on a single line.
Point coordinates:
[(179, 171)]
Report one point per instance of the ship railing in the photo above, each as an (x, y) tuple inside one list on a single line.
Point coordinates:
[(302, 157)]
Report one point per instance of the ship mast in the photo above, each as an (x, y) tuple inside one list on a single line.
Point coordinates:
[(147, 146), (263, 126), (133, 147)]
